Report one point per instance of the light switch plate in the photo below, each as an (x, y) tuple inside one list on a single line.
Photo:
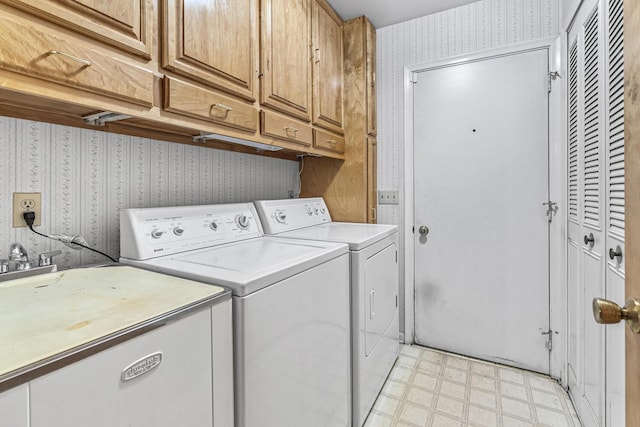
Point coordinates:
[(388, 197)]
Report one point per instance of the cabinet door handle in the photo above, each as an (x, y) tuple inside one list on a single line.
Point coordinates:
[(332, 141), (372, 304), (224, 107), (84, 62), (374, 217), (291, 130)]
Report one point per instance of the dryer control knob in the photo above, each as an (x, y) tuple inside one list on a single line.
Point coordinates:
[(156, 234), (242, 221), (178, 231), (213, 226), (281, 216)]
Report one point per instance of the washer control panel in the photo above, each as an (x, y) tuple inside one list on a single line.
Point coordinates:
[(152, 232), (278, 216)]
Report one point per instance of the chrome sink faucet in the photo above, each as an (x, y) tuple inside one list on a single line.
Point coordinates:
[(18, 257), (18, 264)]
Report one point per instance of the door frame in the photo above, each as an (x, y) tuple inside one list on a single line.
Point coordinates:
[(557, 192)]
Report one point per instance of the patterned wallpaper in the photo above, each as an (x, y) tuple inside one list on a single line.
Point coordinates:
[(86, 176), (471, 28)]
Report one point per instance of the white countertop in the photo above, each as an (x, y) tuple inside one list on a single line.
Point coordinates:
[(48, 315)]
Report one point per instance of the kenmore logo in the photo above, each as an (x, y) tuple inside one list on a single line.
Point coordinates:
[(158, 250)]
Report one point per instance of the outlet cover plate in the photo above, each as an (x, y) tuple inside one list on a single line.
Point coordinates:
[(388, 197), (24, 202)]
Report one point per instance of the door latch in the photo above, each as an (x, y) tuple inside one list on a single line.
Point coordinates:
[(552, 208)]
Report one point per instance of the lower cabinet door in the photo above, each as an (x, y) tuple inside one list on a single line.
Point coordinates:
[(161, 378), (14, 407)]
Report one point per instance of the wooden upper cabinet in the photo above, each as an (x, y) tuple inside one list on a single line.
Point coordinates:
[(213, 42), (125, 24), (370, 53), (327, 67), (285, 65), (51, 56)]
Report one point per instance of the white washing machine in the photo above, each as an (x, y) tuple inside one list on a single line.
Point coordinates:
[(290, 306), (374, 287)]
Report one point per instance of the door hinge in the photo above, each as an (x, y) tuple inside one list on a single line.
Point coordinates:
[(549, 343), (413, 78), (551, 75), (396, 257), (552, 209), (396, 301)]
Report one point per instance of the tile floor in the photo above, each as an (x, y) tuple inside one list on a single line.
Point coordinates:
[(432, 388)]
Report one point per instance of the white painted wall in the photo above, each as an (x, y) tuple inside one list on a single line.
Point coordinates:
[(473, 28), (86, 176)]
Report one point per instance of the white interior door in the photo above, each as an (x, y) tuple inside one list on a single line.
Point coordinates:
[(480, 180), (596, 210)]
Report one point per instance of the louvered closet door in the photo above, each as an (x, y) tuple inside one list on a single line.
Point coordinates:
[(614, 154), (586, 214), (596, 209)]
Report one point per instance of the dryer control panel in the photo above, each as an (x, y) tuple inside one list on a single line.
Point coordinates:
[(152, 232), (278, 216)]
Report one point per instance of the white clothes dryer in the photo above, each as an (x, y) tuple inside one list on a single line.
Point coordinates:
[(374, 287), (290, 306)]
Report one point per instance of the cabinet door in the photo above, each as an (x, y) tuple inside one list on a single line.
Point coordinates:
[(55, 56), (214, 42), (285, 64), (370, 52), (95, 392), (14, 407), (189, 100), (126, 24), (327, 68)]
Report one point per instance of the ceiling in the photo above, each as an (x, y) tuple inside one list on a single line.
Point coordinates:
[(382, 13)]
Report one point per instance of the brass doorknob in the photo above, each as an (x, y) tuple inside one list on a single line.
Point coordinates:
[(608, 312)]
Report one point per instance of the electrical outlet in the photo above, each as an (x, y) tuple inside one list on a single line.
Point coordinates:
[(388, 197), (26, 202)]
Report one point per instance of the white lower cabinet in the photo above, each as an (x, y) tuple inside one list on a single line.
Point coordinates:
[(164, 377), (14, 407)]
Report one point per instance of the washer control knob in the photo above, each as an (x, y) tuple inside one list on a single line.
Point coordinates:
[(316, 210), (213, 226), (323, 211), (242, 221), (156, 234), (309, 211), (178, 231), (281, 216)]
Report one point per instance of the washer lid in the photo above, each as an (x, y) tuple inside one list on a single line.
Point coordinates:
[(250, 265), (357, 235)]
